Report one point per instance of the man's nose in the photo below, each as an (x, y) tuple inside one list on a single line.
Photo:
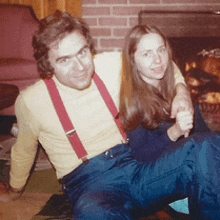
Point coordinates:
[(78, 64)]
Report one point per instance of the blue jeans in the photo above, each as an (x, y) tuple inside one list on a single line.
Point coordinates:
[(115, 186)]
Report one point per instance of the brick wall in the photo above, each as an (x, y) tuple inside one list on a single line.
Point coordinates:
[(110, 20)]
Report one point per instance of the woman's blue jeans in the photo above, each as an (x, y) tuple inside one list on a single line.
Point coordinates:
[(115, 186)]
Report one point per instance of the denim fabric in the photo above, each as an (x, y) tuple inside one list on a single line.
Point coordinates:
[(116, 186)]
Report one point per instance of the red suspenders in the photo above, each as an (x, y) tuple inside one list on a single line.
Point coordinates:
[(109, 102), (67, 124)]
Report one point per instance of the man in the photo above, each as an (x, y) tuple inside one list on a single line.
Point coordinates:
[(105, 183)]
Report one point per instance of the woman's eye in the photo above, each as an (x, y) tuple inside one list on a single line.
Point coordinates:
[(147, 54), (162, 49)]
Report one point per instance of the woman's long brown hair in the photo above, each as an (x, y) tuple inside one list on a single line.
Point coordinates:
[(141, 103)]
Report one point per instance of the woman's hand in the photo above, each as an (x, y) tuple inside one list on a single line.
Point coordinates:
[(184, 123)]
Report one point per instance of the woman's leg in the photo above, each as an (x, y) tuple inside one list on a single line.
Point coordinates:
[(193, 171)]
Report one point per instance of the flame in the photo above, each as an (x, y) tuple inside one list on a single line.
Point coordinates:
[(190, 66)]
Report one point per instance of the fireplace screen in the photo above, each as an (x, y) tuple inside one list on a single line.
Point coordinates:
[(195, 40)]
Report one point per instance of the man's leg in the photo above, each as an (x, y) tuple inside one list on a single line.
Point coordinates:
[(100, 190), (99, 205)]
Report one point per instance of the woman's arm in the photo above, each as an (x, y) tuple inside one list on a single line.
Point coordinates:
[(147, 145)]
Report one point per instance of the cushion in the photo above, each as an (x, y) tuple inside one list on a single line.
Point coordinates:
[(14, 69)]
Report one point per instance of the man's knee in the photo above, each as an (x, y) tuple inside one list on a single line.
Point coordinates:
[(100, 206)]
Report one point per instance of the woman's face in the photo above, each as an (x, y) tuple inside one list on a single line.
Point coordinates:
[(151, 58)]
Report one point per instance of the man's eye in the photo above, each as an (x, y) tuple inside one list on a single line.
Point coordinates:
[(83, 52), (64, 60)]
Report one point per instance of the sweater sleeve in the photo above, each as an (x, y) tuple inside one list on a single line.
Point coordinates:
[(178, 75), (24, 151), (147, 146)]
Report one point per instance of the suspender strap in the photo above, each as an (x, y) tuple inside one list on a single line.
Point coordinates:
[(67, 124), (109, 102), (65, 121)]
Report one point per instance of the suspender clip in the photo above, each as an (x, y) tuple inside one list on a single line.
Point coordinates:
[(70, 133), (85, 160), (125, 141)]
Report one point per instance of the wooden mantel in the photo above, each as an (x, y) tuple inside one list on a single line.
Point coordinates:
[(44, 8)]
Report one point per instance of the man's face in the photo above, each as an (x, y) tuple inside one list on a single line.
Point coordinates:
[(72, 61)]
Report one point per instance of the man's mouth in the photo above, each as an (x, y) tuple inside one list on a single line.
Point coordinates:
[(80, 76)]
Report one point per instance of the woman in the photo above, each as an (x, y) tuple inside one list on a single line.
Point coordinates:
[(147, 92)]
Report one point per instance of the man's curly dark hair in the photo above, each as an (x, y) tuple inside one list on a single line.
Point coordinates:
[(53, 29)]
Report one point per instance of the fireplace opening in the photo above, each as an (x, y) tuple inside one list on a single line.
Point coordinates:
[(195, 41), (186, 49), (199, 61)]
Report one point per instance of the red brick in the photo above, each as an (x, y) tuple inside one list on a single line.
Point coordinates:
[(133, 21), (95, 41), (127, 10), (111, 42), (112, 2), (200, 2), (96, 11), (100, 32), (86, 2), (179, 7), (91, 21), (120, 32), (113, 21), (144, 1)]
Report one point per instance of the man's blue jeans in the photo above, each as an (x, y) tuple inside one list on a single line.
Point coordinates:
[(115, 186)]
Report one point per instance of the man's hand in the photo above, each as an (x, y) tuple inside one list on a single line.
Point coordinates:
[(182, 102), (8, 194)]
